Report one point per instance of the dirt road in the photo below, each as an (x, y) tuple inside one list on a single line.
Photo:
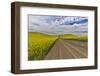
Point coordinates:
[(68, 49)]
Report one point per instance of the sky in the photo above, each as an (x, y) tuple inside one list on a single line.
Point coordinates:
[(58, 24)]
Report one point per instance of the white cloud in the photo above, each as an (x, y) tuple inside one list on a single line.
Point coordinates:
[(39, 24)]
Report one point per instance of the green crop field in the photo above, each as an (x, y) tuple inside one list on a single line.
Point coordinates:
[(74, 37), (39, 45)]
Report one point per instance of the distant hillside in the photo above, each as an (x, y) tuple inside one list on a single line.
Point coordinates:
[(66, 36), (74, 37), (38, 33)]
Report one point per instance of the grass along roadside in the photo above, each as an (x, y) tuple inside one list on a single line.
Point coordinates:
[(74, 37), (39, 45)]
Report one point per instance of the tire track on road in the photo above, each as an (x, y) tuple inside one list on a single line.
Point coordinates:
[(63, 49)]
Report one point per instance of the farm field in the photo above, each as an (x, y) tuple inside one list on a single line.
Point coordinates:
[(74, 37), (40, 45)]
